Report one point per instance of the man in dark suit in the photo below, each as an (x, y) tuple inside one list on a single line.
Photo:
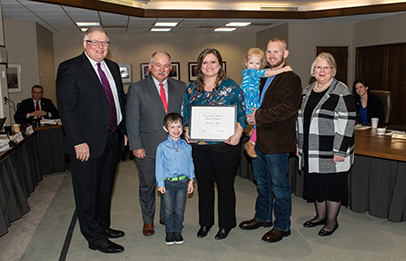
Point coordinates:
[(36, 107), (91, 103), (148, 101)]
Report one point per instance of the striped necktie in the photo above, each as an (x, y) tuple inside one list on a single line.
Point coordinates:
[(110, 98)]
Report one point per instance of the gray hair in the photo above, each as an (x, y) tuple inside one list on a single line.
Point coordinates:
[(151, 61), (94, 29), (329, 58)]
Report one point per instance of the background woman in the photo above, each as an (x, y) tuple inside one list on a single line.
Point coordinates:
[(325, 137), (368, 105), (215, 161)]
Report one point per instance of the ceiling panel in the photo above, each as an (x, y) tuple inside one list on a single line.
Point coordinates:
[(59, 19)]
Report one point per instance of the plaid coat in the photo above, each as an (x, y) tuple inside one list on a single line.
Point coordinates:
[(331, 130)]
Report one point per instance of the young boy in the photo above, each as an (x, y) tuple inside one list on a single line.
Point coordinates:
[(174, 167)]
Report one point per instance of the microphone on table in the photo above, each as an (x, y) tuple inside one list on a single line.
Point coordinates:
[(14, 107)]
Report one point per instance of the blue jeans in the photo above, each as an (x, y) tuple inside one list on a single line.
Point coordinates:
[(174, 201), (270, 173)]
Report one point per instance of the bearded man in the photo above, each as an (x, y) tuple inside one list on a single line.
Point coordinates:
[(276, 138)]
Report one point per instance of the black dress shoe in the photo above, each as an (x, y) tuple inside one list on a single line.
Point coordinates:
[(254, 224), (108, 248), (112, 233), (324, 233), (313, 224), (203, 231), (223, 233)]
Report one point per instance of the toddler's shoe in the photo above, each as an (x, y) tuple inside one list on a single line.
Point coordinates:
[(250, 149), (169, 240), (250, 132), (178, 238)]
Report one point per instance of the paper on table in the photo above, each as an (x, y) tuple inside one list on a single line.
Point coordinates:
[(362, 127), (49, 122)]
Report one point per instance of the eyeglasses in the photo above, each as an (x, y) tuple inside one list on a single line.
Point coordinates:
[(37, 92), (326, 68), (96, 43)]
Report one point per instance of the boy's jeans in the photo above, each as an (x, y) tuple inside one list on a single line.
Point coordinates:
[(174, 201)]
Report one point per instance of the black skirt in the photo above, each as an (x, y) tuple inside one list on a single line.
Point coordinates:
[(320, 187)]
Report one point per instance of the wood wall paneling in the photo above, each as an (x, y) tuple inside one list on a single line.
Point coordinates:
[(370, 66), (383, 67), (340, 54), (395, 81)]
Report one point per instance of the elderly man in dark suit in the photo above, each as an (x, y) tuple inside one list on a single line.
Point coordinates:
[(36, 107), (91, 103), (148, 101)]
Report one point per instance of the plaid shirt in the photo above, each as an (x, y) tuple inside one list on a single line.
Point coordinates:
[(331, 130)]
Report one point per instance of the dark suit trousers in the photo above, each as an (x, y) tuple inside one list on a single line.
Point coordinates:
[(218, 164), (93, 182), (146, 174)]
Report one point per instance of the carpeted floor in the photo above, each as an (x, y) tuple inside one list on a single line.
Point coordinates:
[(360, 236)]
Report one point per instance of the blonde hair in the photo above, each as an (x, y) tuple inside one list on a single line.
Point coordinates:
[(276, 39), (256, 51), (329, 58)]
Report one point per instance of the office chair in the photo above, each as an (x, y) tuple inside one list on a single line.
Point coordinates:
[(386, 100)]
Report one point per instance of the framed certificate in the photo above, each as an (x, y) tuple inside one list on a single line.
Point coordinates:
[(212, 122)]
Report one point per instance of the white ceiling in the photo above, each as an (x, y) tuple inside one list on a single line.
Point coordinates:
[(61, 19)]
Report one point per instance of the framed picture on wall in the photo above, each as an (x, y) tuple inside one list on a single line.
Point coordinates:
[(126, 72), (192, 71), (175, 72), (14, 77), (144, 70)]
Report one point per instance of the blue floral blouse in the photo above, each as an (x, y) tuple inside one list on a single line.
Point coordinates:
[(228, 93)]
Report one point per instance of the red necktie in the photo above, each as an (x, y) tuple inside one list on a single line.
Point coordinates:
[(38, 109), (163, 97)]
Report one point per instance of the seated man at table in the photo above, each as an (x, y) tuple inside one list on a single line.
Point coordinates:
[(36, 107)]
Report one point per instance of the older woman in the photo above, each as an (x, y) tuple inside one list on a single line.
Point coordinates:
[(215, 161), (367, 105), (325, 140)]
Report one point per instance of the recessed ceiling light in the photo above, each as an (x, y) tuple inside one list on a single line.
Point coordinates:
[(160, 29), (81, 24), (166, 24), (238, 24), (224, 29)]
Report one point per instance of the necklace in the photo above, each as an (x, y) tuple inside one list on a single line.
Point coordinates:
[(324, 86), (177, 145)]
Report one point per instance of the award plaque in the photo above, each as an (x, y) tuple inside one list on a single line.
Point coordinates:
[(212, 122)]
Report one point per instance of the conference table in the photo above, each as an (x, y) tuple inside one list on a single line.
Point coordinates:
[(19, 175), (50, 149), (377, 180), (22, 167)]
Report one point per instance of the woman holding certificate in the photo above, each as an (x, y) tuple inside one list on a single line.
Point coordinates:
[(215, 158)]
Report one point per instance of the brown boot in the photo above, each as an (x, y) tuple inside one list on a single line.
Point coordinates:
[(250, 149)]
